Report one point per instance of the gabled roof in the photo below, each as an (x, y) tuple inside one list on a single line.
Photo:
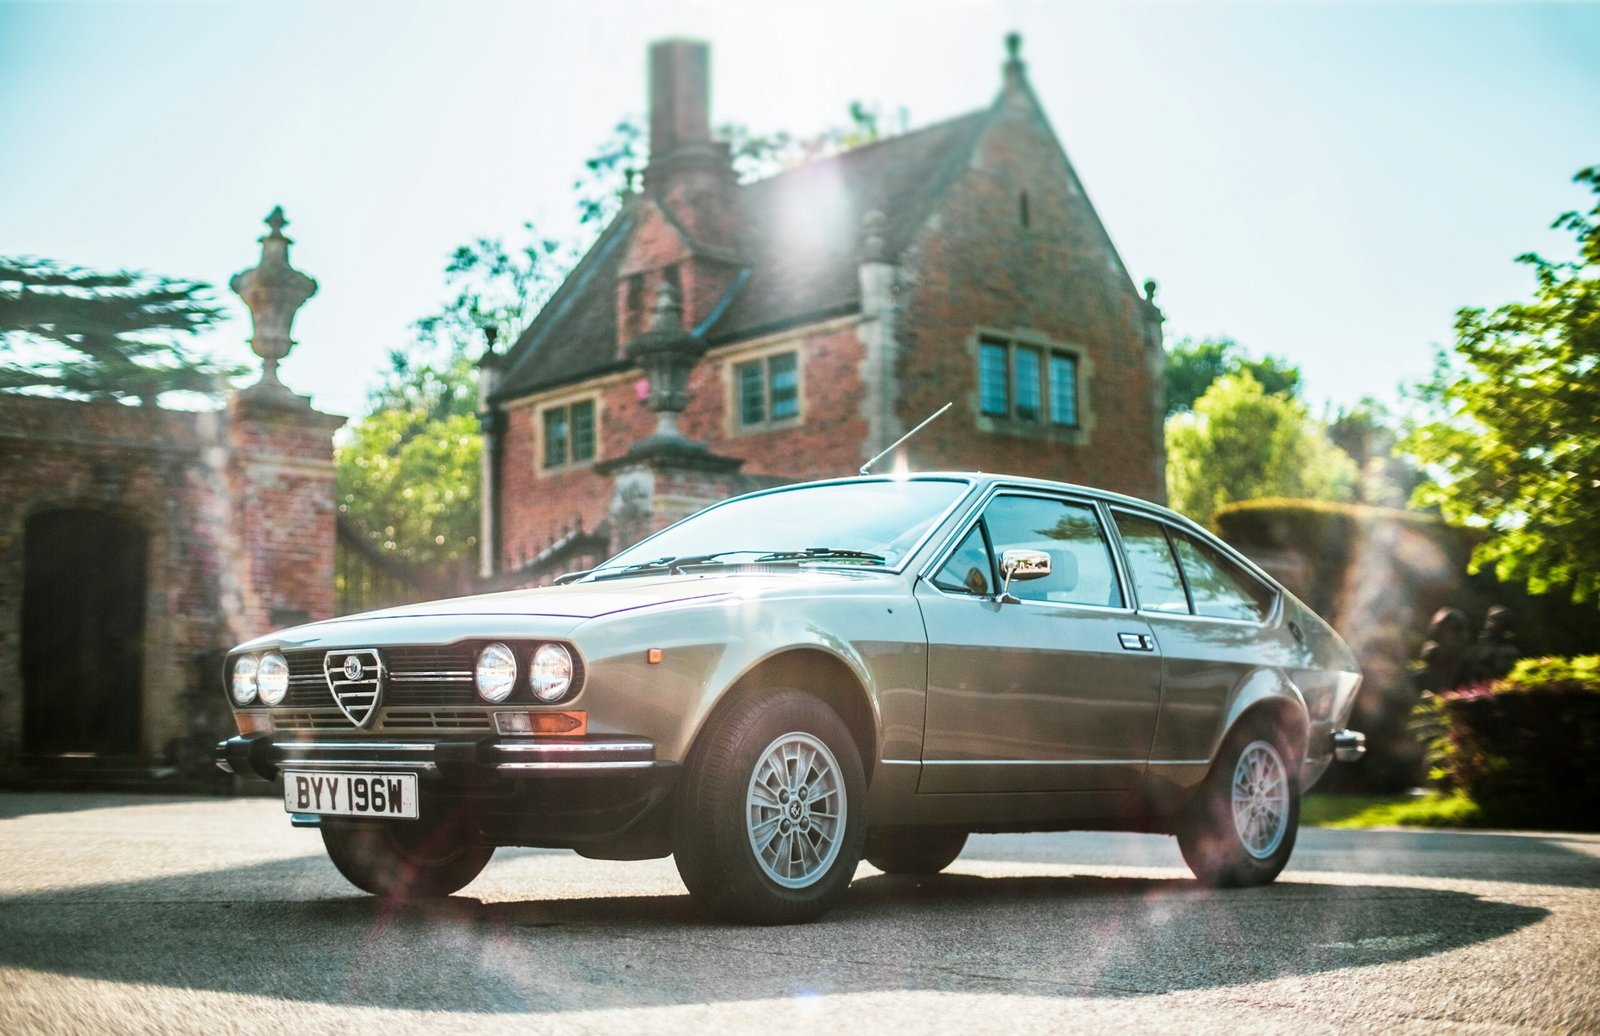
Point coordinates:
[(800, 238), (575, 334)]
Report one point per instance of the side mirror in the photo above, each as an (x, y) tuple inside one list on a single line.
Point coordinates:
[(1021, 565)]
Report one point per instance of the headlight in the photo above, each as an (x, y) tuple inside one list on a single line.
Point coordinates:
[(551, 674), (495, 673), (244, 679), (272, 678)]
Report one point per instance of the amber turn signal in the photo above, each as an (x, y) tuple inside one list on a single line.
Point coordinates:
[(253, 722), (653, 656)]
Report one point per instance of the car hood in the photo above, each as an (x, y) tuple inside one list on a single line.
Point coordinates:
[(551, 611)]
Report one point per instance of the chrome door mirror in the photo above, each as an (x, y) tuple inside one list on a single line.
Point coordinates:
[(1021, 565)]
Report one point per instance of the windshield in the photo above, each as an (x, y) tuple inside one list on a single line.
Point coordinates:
[(851, 523)]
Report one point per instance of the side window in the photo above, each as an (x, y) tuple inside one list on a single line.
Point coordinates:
[(1155, 571), (968, 570), (1220, 588), (1081, 571)]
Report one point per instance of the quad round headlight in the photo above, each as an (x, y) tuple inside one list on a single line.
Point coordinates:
[(551, 674), (495, 673), (272, 678), (244, 679)]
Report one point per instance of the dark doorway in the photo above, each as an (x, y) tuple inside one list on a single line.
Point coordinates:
[(82, 633)]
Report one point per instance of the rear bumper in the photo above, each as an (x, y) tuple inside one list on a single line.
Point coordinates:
[(448, 759), (1348, 745)]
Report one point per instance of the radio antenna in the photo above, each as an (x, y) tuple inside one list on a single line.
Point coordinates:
[(867, 467)]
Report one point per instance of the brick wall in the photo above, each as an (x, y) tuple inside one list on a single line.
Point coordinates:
[(828, 441), (236, 512), (976, 266)]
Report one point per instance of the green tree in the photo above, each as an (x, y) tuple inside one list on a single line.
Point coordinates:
[(1515, 444), (1367, 432), (409, 472), (1241, 442), (1193, 364), (118, 335)]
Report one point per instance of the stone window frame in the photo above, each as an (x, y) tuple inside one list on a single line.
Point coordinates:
[(541, 444), (1043, 427), (734, 362)]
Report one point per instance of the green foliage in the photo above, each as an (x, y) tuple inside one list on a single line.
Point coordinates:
[(119, 335), (1241, 442), (1193, 365), (1515, 446), (410, 482), (1524, 748), (1367, 432), (1579, 675), (409, 473), (1347, 812)]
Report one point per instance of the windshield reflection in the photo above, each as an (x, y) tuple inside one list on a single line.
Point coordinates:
[(873, 524)]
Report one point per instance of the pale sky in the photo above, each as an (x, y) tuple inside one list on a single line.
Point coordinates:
[(1325, 182)]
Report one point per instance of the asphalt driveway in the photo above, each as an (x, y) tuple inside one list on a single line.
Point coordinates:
[(128, 914)]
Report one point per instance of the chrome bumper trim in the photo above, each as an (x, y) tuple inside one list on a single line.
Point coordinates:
[(579, 767), (549, 747), (355, 746), (362, 764), (1349, 745)]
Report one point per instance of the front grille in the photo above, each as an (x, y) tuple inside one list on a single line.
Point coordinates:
[(435, 719), (416, 676), (321, 719)]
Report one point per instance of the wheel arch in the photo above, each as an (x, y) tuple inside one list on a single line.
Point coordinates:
[(817, 672), (1276, 700)]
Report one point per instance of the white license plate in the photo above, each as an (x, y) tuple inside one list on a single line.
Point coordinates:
[(351, 794)]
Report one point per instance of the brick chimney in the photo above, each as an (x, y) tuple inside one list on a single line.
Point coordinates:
[(687, 228)]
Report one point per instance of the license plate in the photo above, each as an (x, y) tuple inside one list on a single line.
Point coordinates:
[(351, 794)]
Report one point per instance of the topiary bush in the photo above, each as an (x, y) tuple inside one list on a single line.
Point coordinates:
[(1526, 748)]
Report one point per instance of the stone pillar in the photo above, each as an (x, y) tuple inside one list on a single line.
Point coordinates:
[(279, 470), (666, 476)]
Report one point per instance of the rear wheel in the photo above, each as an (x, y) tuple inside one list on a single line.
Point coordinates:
[(1241, 826), (768, 820), (914, 850), (405, 859)]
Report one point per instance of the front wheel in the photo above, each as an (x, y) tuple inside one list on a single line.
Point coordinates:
[(404, 859), (1240, 828), (768, 822)]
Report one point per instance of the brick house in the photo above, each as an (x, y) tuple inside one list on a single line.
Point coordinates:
[(826, 310)]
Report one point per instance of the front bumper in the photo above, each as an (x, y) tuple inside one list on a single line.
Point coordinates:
[(446, 759)]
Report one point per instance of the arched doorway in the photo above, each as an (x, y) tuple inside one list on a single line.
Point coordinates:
[(83, 597)]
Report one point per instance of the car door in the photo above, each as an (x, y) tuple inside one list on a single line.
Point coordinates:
[(1056, 689), (1210, 617)]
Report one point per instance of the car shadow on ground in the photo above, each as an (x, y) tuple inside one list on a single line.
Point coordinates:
[(1059, 936)]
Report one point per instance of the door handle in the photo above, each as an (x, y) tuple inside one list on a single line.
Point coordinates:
[(1137, 641)]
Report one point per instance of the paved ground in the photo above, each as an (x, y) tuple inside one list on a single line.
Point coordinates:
[(130, 914)]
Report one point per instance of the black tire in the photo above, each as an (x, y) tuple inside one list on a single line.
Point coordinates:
[(405, 859), (721, 811), (914, 850), (1225, 850)]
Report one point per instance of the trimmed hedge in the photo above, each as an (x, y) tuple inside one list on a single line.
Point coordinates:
[(1526, 748)]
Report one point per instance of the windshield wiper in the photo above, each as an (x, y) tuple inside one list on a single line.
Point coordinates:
[(675, 564), (671, 563), (823, 554)]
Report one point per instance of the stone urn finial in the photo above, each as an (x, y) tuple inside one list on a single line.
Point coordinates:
[(667, 353), (274, 291)]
